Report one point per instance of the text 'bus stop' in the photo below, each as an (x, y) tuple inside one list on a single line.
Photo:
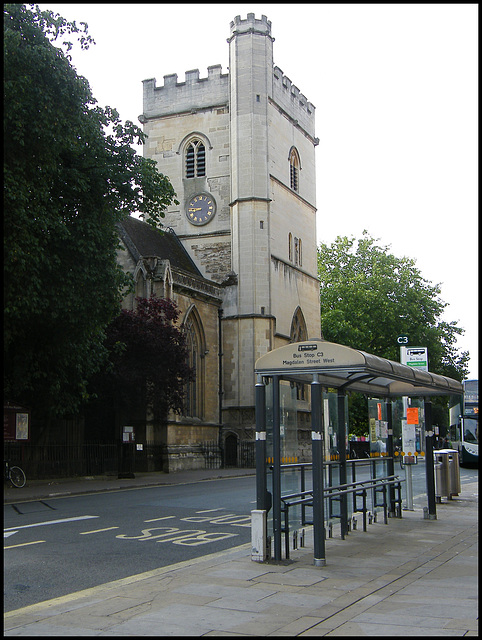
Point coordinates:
[(320, 365)]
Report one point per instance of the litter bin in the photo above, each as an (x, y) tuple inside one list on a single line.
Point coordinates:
[(442, 474), (454, 472)]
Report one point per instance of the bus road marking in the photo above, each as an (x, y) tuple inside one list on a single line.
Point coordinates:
[(209, 510), (186, 537), (228, 518), (86, 533), (163, 518)]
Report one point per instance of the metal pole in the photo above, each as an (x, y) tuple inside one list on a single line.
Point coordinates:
[(390, 462), (260, 410), (431, 514), (317, 457), (276, 471), (342, 453)]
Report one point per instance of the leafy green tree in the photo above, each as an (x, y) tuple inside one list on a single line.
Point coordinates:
[(369, 297), (147, 365), (70, 173)]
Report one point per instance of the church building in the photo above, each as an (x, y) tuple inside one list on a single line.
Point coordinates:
[(239, 253)]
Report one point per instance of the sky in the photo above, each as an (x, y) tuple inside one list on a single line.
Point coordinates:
[(395, 87)]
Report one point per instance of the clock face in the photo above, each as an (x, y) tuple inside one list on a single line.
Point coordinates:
[(200, 209)]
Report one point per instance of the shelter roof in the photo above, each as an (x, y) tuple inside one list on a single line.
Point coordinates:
[(341, 367)]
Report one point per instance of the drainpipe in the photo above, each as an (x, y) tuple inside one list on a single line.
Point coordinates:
[(220, 374)]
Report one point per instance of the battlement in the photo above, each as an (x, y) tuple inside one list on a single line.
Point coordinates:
[(190, 77), (285, 84), (250, 25), (194, 93), (289, 98)]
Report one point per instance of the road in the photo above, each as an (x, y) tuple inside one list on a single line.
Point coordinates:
[(60, 545), (56, 546)]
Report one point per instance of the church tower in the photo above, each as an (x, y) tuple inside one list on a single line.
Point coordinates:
[(239, 149)]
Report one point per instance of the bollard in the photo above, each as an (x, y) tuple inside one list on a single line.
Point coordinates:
[(258, 536)]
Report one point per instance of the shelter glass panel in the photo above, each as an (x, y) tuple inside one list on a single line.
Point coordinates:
[(330, 415), (378, 427), (288, 422)]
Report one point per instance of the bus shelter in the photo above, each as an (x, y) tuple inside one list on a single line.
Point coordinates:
[(321, 364)]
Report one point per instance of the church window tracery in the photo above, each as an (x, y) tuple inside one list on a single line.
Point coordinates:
[(193, 406), (195, 159)]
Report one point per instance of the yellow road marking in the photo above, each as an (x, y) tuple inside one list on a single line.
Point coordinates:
[(86, 533), (24, 544)]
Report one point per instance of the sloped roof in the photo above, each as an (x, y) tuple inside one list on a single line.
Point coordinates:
[(142, 241), (342, 367)]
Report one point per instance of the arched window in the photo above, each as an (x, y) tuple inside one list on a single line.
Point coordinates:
[(195, 159), (294, 170), (141, 285), (295, 250), (298, 331), (190, 407), (193, 406), (298, 252)]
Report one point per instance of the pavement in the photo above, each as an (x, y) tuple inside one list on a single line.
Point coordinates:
[(410, 577), (42, 489)]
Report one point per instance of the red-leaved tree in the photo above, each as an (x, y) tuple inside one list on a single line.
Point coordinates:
[(148, 362)]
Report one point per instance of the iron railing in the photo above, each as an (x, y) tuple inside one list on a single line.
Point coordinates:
[(215, 458), (65, 461)]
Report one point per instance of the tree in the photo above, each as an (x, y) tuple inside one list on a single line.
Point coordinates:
[(70, 174), (368, 297), (148, 362)]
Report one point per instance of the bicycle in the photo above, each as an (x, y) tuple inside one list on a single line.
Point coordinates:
[(15, 475)]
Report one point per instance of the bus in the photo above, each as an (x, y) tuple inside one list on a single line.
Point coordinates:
[(464, 423)]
